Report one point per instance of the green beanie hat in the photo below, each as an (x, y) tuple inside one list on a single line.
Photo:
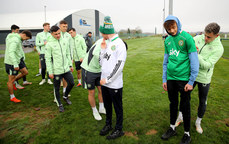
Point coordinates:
[(107, 28)]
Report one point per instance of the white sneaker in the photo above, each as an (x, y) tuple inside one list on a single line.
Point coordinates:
[(103, 111), (42, 82), (49, 82), (178, 122), (199, 129), (97, 116)]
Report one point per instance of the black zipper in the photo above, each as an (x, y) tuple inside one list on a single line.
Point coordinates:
[(202, 48), (62, 54)]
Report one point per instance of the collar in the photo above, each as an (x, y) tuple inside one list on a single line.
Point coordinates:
[(113, 38)]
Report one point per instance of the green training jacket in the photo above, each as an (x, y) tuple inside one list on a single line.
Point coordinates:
[(57, 55), (208, 55), (91, 60), (68, 37), (79, 47), (14, 51), (40, 39)]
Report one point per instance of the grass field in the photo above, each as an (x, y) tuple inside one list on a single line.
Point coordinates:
[(2, 51), (146, 106), (226, 48)]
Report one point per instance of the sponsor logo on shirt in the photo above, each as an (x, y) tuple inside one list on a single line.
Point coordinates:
[(174, 52), (106, 56)]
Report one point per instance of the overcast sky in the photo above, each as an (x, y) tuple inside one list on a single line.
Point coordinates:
[(146, 14)]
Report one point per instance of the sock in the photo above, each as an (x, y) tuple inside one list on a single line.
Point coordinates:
[(12, 96), (94, 109), (79, 80), (101, 105), (64, 90), (180, 115), (198, 120), (172, 126), (187, 133), (39, 71)]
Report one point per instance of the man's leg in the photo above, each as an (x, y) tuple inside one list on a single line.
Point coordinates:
[(108, 105), (23, 73), (203, 93), (56, 81), (78, 69), (173, 98), (186, 112), (91, 99), (70, 83), (43, 69), (101, 104)]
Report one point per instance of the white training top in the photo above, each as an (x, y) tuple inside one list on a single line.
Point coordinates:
[(112, 60)]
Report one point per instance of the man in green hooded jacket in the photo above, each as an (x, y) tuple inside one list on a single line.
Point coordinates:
[(14, 60), (59, 64)]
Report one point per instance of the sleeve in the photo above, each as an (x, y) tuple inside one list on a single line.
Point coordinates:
[(71, 46), (211, 61), (118, 67), (191, 47), (48, 58), (165, 63), (39, 43), (68, 56), (96, 51), (12, 53), (82, 48), (194, 64)]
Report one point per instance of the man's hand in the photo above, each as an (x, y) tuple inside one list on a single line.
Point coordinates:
[(38, 53), (165, 86), (103, 81), (103, 44), (188, 87), (71, 69), (81, 60), (45, 42), (197, 49), (51, 76), (16, 68)]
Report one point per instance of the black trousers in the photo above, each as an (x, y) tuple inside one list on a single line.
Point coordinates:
[(56, 81), (203, 93), (174, 88), (43, 66), (113, 96)]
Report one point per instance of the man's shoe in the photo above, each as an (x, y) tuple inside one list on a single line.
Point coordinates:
[(15, 100), (42, 82), (103, 111), (19, 86), (14, 87), (105, 130), (186, 139), (170, 132), (199, 128), (27, 83), (38, 74), (178, 121), (115, 134), (67, 100), (49, 82), (79, 84), (97, 116), (61, 108)]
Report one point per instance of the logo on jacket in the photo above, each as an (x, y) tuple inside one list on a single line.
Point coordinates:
[(113, 48), (174, 52), (181, 43), (106, 56)]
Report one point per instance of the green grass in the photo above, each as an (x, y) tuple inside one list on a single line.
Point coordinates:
[(2, 51), (146, 107), (226, 48)]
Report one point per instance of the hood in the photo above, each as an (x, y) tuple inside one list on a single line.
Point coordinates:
[(13, 35), (170, 17)]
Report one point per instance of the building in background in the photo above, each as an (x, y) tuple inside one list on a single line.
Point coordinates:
[(83, 21)]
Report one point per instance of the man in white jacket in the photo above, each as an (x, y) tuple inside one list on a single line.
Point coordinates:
[(112, 60)]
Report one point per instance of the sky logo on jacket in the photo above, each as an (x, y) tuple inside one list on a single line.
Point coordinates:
[(174, 52)]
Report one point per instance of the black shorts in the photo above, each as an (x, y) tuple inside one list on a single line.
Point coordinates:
[(10, 68), (90, 80), (77, 64)]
